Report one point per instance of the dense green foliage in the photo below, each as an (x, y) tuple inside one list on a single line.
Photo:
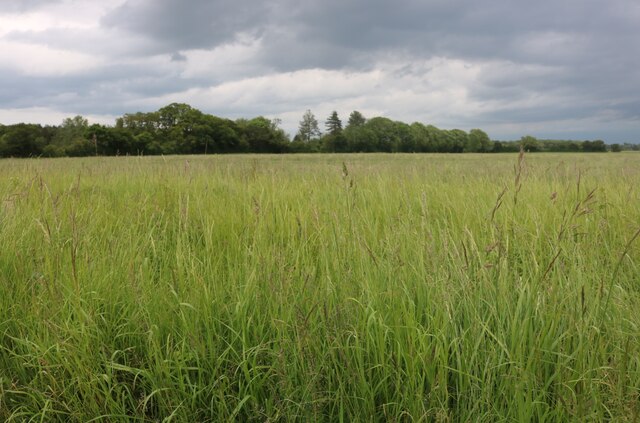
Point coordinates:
[(320, 288), (181, 129)]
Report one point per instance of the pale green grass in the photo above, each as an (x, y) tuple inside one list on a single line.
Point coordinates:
[(321, 288)]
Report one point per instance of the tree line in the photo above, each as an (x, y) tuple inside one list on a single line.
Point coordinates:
[(182, 129)]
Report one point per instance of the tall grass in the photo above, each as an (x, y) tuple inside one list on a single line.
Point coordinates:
[(320, 288)]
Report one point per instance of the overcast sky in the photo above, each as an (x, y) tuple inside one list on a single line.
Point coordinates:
[(549, 68)]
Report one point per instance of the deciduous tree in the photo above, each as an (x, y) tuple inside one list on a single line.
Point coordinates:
[(308, 128), (478, 141), (356, 119)]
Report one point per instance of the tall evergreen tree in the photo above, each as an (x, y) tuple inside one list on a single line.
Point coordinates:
[(333, 124)]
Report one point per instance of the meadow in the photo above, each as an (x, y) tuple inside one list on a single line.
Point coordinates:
[(303, 288)]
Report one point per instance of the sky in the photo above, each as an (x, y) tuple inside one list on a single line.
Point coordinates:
[(566, 69)]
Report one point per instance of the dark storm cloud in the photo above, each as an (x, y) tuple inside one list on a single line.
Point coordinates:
[(335, 34), (182, 25), (569, 31)]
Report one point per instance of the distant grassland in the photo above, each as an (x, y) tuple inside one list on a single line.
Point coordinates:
[(321, 288)]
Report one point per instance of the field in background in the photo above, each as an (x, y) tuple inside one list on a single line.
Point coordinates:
[(321, 288)]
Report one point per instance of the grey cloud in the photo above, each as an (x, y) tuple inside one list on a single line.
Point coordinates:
[(176, 25), (110, 44), (626, 110), (105, 91), (178, 57), (339, 34), (21, 6), (464, 28)]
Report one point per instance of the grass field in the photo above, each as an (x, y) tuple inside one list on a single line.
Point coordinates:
[(321, 288)]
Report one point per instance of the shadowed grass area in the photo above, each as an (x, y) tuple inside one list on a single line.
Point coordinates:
[(320, 288)]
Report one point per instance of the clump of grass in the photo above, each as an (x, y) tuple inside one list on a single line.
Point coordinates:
[(320, 288)]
